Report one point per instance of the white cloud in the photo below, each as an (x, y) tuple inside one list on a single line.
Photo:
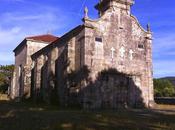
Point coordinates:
[(9, 36), (15, 26), (164, 41), (164, 45), (164, 68), (6, 58), (27, 25), (164, 52)]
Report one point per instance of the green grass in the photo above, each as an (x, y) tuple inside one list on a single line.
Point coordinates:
[(25, 116)]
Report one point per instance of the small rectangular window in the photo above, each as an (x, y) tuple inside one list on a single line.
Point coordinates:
[(141, 46), (98, 39)]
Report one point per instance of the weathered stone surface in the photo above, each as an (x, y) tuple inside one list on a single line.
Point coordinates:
[(104, 63), (21, 82)]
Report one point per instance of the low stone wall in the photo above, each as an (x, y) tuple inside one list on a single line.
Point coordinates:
[(165, 100)]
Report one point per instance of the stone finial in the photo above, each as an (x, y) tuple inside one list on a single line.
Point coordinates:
[(148, 27), (86, 12), (49, 31)]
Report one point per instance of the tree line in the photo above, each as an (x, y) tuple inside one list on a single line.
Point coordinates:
[(163, 88)]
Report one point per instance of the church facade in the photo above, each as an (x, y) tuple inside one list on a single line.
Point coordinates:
[(103, 63)]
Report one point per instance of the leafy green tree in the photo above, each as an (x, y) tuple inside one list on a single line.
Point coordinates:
[(163, 88), (5, 77)]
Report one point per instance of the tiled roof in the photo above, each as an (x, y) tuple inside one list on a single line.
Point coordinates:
[(44, 38), (47, 38), (60, 41)]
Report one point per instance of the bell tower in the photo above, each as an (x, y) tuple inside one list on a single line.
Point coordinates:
[(105, 5)]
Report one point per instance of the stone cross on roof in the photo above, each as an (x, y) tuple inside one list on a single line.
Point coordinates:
[(86, 12)]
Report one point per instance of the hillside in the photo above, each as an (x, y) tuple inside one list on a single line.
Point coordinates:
[(171, 79)]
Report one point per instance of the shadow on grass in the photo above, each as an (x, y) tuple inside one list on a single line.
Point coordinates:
[(26, 116)]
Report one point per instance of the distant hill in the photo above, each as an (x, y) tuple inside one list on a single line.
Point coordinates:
[(171, 79)]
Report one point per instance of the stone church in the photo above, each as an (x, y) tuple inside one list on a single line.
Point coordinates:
[(103, 63)]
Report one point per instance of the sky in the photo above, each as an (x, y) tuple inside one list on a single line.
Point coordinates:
[(21, 18)]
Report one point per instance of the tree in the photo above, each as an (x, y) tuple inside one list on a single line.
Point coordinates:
[(163, 88), (5, 77)]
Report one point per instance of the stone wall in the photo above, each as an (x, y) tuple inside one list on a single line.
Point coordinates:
[(114, 43), (62, 58), (20, 62), (116, 40), (21, 83)]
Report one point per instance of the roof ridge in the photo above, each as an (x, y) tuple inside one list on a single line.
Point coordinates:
[(46, 38), (41, 36)]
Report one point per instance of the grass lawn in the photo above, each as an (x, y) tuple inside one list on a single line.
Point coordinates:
[(22, 116)]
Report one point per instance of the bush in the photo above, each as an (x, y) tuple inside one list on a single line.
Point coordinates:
[(5, 77), (163, 88)]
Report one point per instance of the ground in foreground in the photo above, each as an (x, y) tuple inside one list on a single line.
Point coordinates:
[(22, 116)]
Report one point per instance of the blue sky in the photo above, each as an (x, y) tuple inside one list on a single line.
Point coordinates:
[(21, 18)]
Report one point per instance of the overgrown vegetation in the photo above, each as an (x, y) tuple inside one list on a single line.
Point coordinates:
[(163, 88), (5, 77)]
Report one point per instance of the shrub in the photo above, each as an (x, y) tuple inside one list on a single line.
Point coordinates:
[(163, 88)]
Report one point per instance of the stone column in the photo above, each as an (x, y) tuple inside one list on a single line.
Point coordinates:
[(51, 76), (45, 78), (27, 80), (71, 54), (52, 60), (13, 89), (37, 75), (150, 70)]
